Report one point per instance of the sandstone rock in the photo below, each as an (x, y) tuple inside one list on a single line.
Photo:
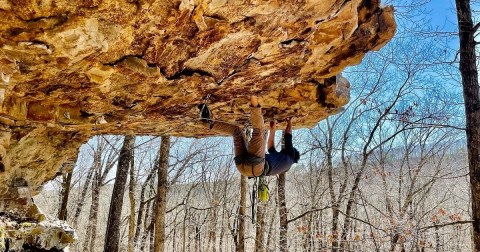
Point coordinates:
[(71, 70), (45, 235)]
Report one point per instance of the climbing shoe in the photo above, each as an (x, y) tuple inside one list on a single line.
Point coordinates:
[(205, 114)]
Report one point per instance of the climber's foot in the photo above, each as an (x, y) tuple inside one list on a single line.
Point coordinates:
[(205, 114), (273, 124)]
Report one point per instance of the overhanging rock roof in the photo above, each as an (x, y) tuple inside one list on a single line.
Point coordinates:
[(70, 70)]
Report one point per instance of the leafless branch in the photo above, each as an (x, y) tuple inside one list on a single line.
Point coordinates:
[(447, 224)]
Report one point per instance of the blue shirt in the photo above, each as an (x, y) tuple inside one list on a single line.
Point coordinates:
[(280, 162)]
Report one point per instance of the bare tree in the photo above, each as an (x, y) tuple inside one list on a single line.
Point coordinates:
[(241, 214), (282, 208), (85, 187), (103, 162), (469, 72), (112, 235), (260, 226), (143, 206), (66, 186), (310, 182), (131, 197), (161, 198), (282, 212)]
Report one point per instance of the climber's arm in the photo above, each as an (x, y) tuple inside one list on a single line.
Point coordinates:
[(288, 135), (271, 137), (289, 126)]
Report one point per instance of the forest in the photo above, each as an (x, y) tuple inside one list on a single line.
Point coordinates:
[(390, 172)]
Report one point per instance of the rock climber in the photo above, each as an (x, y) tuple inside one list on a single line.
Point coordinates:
[(250, 158)]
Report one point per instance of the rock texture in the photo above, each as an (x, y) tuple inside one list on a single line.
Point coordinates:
[(25, 235), (73, 69)]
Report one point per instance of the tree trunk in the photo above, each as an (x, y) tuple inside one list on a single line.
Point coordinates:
[(161, 194), (94, 219), (270, 231), (83, 195), (222, 231), (131, 196), (212, 232), (331, 187), (260, 228), (241, 214), (309, 236), (468, 70), (151, 227), (198, 246), (173, 236), (91, 233), (66, 183), (142, 208), (282, 211), (151, 232), (143, 241), (184, 229), (351, 202), (335, 214), (112, 235), (438, 248)]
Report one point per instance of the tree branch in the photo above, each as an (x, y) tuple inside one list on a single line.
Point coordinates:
[(447, 224), (362, 221), (307, 212), (475, 28), (175, 207)]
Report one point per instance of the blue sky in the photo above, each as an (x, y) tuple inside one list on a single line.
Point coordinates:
[(443, 14)]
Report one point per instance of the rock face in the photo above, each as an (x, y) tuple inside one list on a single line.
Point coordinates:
[(25, 235), (73, 69)]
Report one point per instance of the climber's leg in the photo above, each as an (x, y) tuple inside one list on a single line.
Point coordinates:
[(256, 147), (240, 145), (239, 142)]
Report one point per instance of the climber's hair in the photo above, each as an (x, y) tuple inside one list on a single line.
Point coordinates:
[(297, 155)]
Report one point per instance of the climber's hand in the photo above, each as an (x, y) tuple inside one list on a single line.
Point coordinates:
[(289, 125)]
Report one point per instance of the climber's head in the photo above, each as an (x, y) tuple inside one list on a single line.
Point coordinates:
[(297, 155)]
